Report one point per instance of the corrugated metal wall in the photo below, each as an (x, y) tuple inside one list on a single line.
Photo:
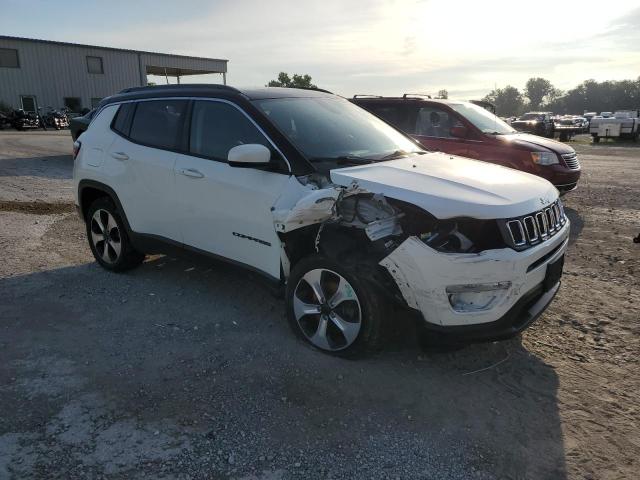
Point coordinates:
[(52, 71)]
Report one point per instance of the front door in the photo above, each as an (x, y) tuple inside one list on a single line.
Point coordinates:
[(226, 210), (431, 125)]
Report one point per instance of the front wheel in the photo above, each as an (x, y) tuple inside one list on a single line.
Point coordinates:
[(334, 309), (108, 238)]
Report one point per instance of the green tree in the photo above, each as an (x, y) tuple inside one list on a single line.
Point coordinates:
[(536, 90), (297, 81), (508, 100), (443, 94)]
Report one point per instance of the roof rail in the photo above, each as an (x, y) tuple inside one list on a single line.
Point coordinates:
[(315, 89), (213, 86), (406, 95), (367, 96)]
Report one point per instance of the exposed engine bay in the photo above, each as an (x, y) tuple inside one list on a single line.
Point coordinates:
[(384, 222)]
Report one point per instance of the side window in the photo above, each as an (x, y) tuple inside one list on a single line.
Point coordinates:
[(390, 114), (122, 121), (217, 127), (158, 123), (434, 122)]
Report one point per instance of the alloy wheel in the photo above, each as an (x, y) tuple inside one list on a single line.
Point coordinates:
[(105, 236), (327, 309)]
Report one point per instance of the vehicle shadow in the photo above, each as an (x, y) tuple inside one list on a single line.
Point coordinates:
[(577, 224), (205, 351), (55, 167)]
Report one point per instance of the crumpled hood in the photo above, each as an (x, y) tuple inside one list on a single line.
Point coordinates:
[(529, 142), (448, 186)]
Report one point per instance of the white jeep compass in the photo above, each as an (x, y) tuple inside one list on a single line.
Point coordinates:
[(319, 195)]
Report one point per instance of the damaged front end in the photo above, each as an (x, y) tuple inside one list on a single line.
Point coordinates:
[(354, 226), (455, 271)]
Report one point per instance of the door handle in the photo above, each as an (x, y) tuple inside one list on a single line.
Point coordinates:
[(120, 156), (191, 172)]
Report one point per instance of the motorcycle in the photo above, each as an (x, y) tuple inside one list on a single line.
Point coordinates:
[(5, 122), (55, 119), (21, 120)]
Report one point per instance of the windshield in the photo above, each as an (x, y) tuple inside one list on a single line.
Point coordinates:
[(333, 128), (483, 119), (531, 116)]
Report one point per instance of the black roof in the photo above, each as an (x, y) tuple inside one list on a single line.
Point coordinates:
[(213, 90)]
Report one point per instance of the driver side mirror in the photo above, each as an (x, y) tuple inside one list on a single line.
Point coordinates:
[(249, 155), (459, 131)]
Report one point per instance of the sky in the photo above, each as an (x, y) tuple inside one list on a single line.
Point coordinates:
[(384, 47)]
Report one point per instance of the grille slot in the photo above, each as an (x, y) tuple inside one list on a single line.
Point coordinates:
[(537, 227), (571, 160)]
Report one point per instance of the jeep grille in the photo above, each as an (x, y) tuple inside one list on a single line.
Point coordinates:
[(529, 230)]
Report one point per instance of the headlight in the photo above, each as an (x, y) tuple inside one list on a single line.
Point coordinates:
[(544, 158), (476, 297)]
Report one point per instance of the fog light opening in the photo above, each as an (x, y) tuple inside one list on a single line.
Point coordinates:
[(476, 297)]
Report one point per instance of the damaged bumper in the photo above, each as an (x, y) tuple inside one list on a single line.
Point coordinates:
[(489, 295)]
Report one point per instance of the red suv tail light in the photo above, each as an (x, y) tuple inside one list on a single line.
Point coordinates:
[(76, 149)]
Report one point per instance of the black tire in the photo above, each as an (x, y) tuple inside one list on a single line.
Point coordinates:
[(596, 139), (563, 137), (374, 306), (128, 257)]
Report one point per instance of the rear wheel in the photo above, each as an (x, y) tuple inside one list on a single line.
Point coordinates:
[(108, 238), (596, 139), (334, 309)]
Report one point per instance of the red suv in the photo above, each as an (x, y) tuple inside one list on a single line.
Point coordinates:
[(468, 130)]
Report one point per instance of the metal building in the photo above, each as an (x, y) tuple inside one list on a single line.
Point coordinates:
[(42, 73)]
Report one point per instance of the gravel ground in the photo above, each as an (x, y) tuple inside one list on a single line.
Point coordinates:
[(184, 369)]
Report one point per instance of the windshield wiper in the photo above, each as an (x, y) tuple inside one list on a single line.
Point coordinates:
[(344, 160)]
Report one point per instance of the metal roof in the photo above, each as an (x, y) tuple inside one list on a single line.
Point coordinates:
[(69, 44)]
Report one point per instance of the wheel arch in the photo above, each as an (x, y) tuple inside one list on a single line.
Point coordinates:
[(90, 190)]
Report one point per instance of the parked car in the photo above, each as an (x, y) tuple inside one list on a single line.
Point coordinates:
[(461, 128), (537, 123), (589, 115), (78, 125), (622, 124), (569, 125), (322, 197)]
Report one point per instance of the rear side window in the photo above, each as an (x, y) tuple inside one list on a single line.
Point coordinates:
[(159, 123), (217, 127), (392, 114), (122, 121)]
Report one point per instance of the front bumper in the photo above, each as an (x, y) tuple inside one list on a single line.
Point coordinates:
[(517, 319), (423, 275)]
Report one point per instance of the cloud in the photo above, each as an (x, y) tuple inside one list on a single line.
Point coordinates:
[(374, 46)]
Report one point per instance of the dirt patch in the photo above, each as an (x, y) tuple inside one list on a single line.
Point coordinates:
[(37, 208)]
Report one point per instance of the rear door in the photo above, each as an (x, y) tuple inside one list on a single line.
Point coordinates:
[(141, 162), (431, 125), (226, 210)]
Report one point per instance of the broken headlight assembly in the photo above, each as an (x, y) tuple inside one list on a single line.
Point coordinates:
[(476, 297), (463, 235)]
